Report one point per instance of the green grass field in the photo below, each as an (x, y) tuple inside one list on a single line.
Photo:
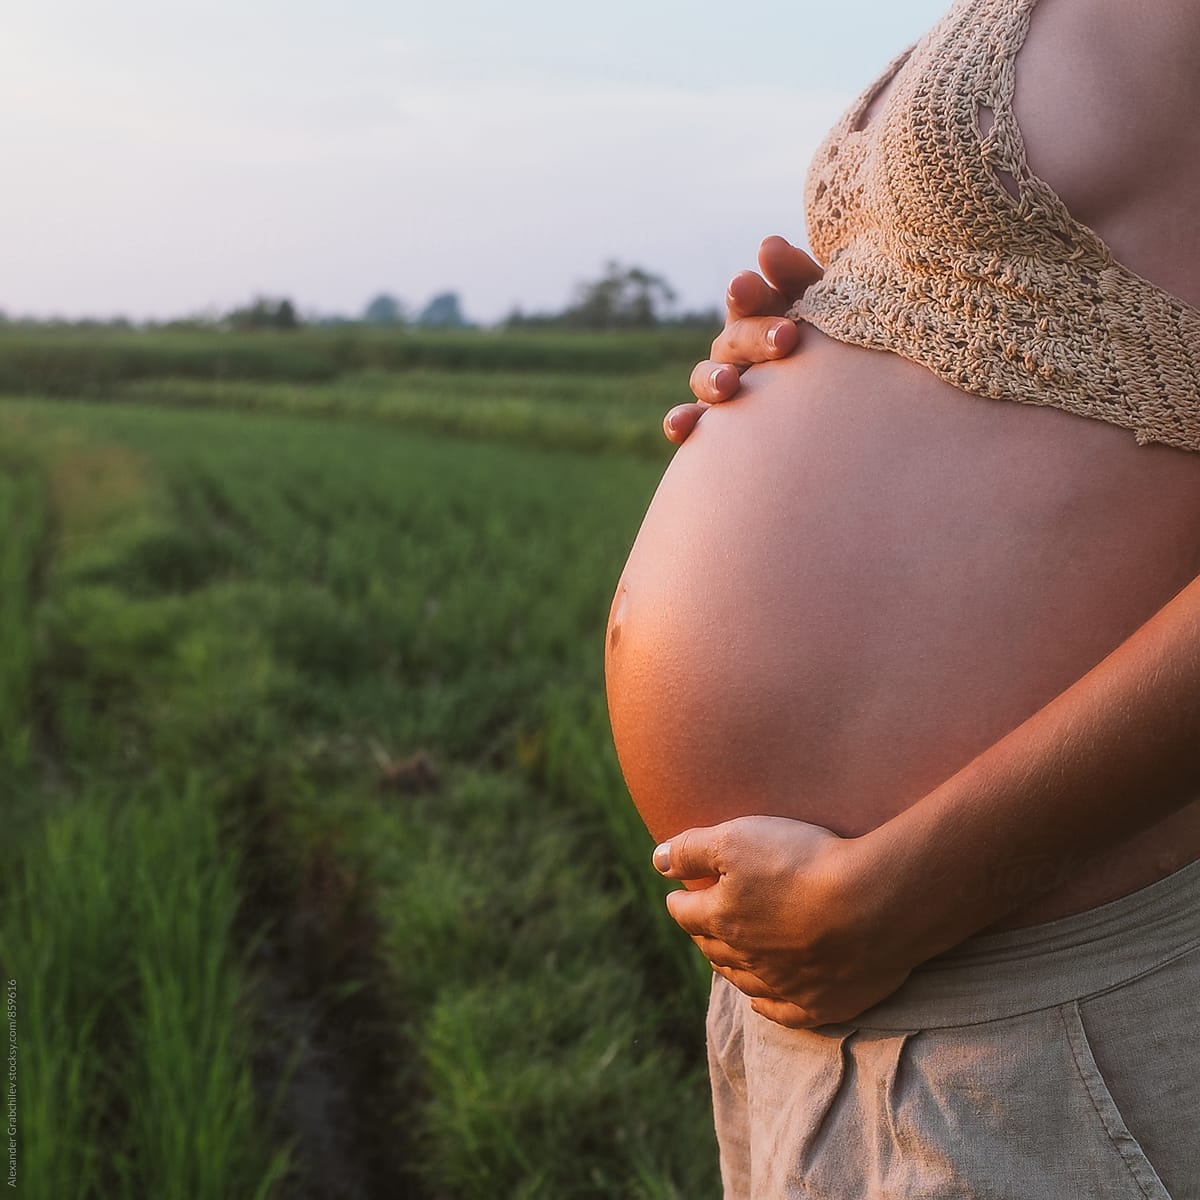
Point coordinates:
[(319, 876)]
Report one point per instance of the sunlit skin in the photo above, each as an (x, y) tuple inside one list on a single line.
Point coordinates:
[(876, 607)]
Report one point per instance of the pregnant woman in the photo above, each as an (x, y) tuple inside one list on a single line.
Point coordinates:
[(904, 665)]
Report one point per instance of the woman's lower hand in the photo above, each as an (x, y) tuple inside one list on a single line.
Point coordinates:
[(798, 919), (753, 330)]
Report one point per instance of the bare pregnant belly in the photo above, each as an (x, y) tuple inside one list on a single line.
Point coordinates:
[(855, 578)]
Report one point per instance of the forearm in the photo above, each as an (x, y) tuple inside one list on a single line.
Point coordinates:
[(1111, 756)]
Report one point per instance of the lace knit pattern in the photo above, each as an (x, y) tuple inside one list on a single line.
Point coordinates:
[(928, 254)]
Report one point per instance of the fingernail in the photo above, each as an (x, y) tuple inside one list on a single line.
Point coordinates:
[(673, 424), (714, 379), (773, 338), (662, 858)]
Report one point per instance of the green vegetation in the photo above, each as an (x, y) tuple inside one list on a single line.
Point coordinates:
[(22, 514), (319, 870), (92, 365)]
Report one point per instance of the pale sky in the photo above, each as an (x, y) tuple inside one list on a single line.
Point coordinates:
[(167, 156)]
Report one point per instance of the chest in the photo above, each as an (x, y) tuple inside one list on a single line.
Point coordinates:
[(1013, 116)]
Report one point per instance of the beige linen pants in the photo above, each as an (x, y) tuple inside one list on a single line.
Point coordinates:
[(1056, 1061)]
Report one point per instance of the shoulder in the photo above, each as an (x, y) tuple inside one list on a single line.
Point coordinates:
[(1107, 97)]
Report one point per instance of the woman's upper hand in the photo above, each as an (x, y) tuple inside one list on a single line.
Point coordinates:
[(753, 329), (799, 919)]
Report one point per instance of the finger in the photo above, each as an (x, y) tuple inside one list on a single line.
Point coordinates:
[(735, 967), (750, 295), (692, 854), (681, 420), (721, 954), (754, 340), (713, 381), (787, 267), (692, 911), (748, 983), (784, 1012)]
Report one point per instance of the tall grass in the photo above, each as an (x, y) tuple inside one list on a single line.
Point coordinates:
[(544, 1043), (263, 604), (193, 1116), (22, 515), (546, 409), (62, 940), (134, 1077)]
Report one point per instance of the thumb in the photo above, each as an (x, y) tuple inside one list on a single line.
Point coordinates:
[(787, 267), (693, 854)]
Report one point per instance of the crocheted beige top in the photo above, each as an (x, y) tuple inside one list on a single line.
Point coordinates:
[(929, 254)]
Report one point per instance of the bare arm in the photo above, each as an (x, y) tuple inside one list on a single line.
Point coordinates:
[(818, 928), (1109, 757)]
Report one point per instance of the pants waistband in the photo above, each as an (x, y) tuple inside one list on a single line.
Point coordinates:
[(996, 975)]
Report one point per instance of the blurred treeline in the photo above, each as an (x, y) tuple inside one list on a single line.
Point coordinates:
[(622, 298)]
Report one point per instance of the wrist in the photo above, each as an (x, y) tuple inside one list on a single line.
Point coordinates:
[(927, 897), (883, 909)]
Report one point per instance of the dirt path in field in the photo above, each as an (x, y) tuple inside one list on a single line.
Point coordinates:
[(330, 1058)]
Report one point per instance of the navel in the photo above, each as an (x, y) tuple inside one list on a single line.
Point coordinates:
[(617, 617)]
